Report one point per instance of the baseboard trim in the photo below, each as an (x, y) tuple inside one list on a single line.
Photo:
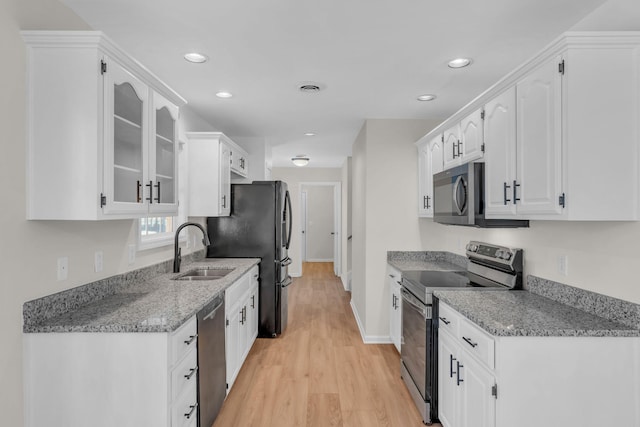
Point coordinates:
[(368, 339), (318, 260)]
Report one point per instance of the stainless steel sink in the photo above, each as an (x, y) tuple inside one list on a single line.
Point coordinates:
[(204, 274)]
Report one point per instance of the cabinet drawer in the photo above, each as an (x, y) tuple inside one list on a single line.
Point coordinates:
[(183, 340), (237, 290), (185, 410), (477, 342), (448, 319), (184, 375)]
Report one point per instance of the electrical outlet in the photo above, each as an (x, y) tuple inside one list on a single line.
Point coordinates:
[(63, 268), (563, 265), (97, 261), (132, 254)]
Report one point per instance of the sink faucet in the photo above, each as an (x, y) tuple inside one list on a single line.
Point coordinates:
[(177, 252)]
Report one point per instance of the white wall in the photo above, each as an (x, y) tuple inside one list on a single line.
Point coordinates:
[(29, 250), (293, 177), (320, 222), (384, 212)]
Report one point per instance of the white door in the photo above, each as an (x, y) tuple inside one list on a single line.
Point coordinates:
[(430, 162), (126, 183), (471, 137), (303, 225), (478, 408), (539, 141), (500, 154), (451, 147), (320, 229), (163, 156), (224, 181), (447, 385)]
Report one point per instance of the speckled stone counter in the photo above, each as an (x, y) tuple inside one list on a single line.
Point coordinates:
[(522, 313), (151, 304), (431, 260)]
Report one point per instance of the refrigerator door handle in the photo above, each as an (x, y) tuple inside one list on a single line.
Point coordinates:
[(288, 200), (285, 262), (286, 282)]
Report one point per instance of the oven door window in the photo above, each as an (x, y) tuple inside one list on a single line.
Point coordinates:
[(414, 342)]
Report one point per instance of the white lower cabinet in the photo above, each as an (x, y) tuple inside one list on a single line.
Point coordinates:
[(528, 380), (241, 311), (394, 278), (111, 379)]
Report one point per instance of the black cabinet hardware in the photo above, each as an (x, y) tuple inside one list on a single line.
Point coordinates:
[(471, 343)]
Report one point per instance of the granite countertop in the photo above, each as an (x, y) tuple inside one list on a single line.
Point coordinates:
[(157, 304), (430, 260), (522, 313)]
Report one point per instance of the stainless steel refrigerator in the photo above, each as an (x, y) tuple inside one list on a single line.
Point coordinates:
[(259, 227)]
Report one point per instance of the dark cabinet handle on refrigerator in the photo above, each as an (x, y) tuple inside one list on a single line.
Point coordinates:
[(288, 200), (139, 187), (458, 379), (471, 343), (504, 193), (515, 189), (157, 199), (451, 359), (150, 198)]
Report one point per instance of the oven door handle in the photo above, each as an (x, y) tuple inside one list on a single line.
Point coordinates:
[(415, 302)]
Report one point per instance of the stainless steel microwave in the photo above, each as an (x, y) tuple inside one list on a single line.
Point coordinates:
[(458, 198)]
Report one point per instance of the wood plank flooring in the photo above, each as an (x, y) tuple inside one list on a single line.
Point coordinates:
[(319, 372)]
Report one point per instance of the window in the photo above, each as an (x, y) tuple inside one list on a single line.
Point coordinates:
[(156, 231)]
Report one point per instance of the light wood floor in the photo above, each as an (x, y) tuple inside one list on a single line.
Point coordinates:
[(319, 372)]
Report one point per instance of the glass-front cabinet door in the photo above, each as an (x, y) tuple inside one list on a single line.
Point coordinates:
[(163, 156), (126, 115)]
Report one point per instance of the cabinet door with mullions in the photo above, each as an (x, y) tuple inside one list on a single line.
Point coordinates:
[(125, 140), (163, 156)]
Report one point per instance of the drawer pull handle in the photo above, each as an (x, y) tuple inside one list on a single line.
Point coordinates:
[(458, 379), (471, 343), (444, 320), (193, 409), (191, 339), (191, 373), (451, 359)]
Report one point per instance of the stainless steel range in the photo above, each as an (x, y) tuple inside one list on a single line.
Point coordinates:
[(490, 267)]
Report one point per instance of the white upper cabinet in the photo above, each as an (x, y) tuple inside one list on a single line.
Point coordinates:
[(539, 141), (464, 142), (239, 161), (209, 174), (430, 162), (561, 132), (95, 118), (500, 155)]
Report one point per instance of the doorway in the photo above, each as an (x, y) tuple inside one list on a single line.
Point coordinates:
[(320, 217)]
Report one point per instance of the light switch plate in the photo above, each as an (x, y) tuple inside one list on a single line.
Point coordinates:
[(97, 261)]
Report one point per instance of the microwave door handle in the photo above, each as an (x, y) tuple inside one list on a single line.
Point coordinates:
[(458, 183)]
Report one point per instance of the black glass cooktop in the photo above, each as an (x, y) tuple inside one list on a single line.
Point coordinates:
[(448, 279)]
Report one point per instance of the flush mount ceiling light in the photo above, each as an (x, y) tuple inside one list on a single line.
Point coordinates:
[(311, 87), (426, 97), (300, 160), (223, 94), (459, 62), (195, 57), (309, 134)]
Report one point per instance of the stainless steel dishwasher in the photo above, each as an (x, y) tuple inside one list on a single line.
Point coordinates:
[(212, 370)]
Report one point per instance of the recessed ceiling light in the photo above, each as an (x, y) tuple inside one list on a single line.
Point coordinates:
[(196, 57), (459, 62), (223, 94), (309, 134), (300, 160), (426, 97)]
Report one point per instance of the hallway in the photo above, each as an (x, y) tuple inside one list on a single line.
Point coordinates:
[(319, 372)]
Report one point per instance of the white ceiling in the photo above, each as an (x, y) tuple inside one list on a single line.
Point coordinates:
[(373, 58)]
